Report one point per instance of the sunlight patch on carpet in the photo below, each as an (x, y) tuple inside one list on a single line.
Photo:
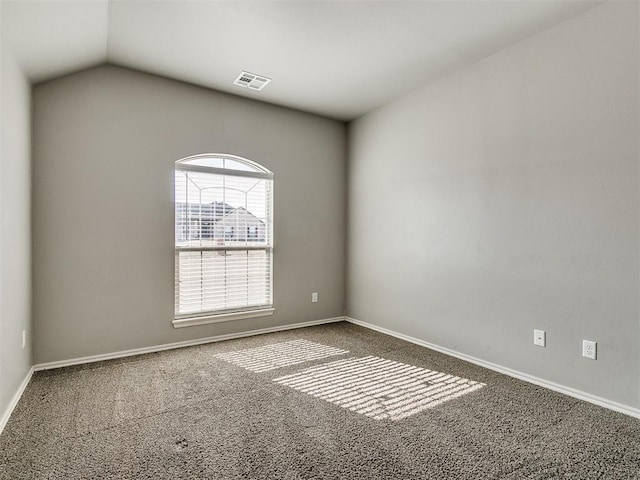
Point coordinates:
[(379, 388), (279, 355)]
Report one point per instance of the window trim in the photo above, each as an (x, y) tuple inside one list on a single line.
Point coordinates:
[(255, 311), (192, 321)]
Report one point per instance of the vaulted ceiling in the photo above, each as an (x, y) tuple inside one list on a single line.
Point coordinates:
[(340, 59)]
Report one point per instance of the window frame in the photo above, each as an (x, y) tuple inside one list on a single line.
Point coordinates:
[(259, 172)]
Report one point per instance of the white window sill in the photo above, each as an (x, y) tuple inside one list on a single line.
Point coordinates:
[(223, 317)]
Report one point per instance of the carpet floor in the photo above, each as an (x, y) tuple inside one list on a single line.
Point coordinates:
[(334, 401)]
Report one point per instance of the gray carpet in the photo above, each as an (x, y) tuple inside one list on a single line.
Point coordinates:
[(292, 405)]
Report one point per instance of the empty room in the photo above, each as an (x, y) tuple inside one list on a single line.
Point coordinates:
[(320, 239)]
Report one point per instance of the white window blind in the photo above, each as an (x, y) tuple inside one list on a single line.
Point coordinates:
[(223, 236)]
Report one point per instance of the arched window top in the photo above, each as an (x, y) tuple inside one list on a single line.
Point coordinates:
[(225, 164)]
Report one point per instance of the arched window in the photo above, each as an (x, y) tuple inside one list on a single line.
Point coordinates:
[(223, 239)]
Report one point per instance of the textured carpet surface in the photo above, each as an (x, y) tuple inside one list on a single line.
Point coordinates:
[(292, 405)]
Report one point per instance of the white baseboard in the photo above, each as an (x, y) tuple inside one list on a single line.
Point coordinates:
[(572, 392), (14, 401), (186, 343)]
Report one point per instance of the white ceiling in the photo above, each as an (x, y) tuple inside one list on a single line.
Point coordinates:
[(340, 59)]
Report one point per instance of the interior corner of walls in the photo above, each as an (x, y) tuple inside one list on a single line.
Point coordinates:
[(6, 411), (16, 237), (476, 201), (113, 112)]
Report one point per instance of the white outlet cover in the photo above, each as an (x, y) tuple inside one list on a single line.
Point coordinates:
[(589, 349), (540, 338), (314, 297)]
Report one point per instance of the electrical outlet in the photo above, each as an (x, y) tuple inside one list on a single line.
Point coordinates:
[(540, 338), (24, 338), (314, 297), (589, 349)]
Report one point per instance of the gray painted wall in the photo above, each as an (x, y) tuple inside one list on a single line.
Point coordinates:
[(105, 143), (504, 198), (15, 235)]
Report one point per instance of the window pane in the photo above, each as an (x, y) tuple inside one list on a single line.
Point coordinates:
[(210, 281), (236, 165), (217, 162), (225, 223), (222, 162), (216, 210)]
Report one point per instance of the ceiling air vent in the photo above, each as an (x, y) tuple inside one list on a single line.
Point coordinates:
[(252, 81)]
